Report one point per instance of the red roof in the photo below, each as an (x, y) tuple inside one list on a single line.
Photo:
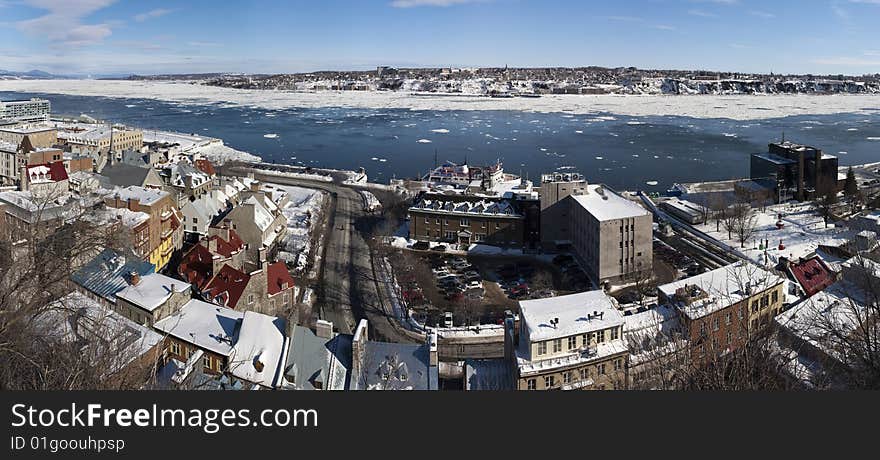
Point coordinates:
[(197, 267), (54, 171), (812, 274), (206, 167), (277, 276), (227, 286), (227, 248)]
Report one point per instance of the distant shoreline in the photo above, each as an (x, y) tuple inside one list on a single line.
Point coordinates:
[(735, 107)]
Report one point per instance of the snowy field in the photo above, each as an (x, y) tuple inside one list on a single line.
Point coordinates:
[(739, 107), (305, 203), (801, 234)]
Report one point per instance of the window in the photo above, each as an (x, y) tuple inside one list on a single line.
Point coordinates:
[(465, 222), (250, 299), (566, 377), (206, 362), (584, 373), (755, 305), (542, 348), (549, 381), (195, 220), (437, 221), (600, 336), (765, 301), (716, 323), (175, 348), (531, 384), (618, 364), (497, 225), (427, 220), (586, 339), (601, 369), (728, 318), (729, 337), (557, 345), (615, 333), (572, 343)]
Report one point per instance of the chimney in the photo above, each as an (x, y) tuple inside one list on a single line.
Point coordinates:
[(358, 348), (134, 278), (212, 244), (324, 329), (432, 347), (134, 204), (255, 186), (25, 183), (261, 255)]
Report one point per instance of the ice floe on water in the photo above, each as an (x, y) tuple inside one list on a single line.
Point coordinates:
[(270, 136), (424, 141), (130, 105), (652, 183), (874, 138), (440, 130), (740, 107), (853, 129), (600, 158)]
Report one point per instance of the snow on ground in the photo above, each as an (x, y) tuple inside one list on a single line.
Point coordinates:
[(296, 175), (371, 203), (218, 153), (305, 203), (739, 107), (801, 234)]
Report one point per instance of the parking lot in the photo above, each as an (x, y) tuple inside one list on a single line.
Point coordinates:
[(478, 289)]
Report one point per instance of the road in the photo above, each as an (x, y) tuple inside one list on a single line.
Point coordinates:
[(347, 290)]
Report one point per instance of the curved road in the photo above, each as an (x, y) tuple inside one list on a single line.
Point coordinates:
[(347, 289)]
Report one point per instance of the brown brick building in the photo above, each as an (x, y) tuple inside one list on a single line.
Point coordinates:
[(466, 220), (720, 308)]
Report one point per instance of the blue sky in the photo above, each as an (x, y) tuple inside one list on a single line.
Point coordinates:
[(122, 36)]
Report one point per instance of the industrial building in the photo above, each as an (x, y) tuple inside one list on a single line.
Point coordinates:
[(796, 171)]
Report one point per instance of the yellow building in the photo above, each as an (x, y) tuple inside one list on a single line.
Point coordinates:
[(568, 343)]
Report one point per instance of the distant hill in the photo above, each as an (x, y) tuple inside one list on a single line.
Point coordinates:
[(29, 75)]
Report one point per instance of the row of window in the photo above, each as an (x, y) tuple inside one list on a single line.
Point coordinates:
[(583, 375), (572, 342), (462, 222)]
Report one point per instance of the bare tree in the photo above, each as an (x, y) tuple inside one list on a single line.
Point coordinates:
[(826, 204)]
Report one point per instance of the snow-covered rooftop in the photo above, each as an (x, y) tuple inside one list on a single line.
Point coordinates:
[(576, 314), (152, 291), (146, 196), (205, 325), (604, 204), (723, 287), (479, 207), (258, 354)]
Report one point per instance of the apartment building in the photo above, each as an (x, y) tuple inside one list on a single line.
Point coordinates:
[(14, 157), (151, 298), (611, 235), (165, 233), (40, 135), (556, 210), (571, 342), (466, 220), (257, 226), (720, 308), (103, 140), (33, 109)]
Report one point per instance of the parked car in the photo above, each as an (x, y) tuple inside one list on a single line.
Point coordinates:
[(447, 319), (421, 245), (439, 248)]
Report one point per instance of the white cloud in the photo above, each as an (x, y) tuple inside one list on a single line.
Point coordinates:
[(62, 24), (664, 27), (416, 3), (152, 14), (762, 14), (702, 14)]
